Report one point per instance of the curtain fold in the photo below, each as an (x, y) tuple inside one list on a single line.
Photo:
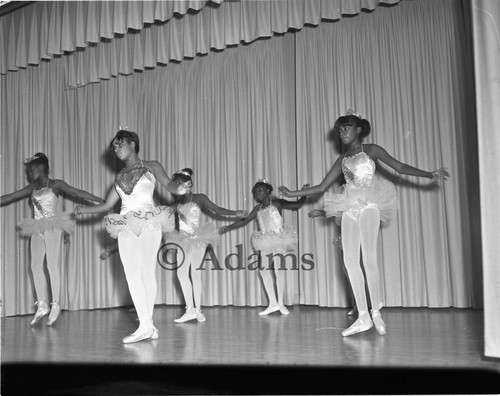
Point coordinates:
[(177, 29)]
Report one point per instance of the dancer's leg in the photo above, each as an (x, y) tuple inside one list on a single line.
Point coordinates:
[(130, 249), (280, 274), (53, 248), (37, 247), (369, 224), (351, 248), (149, 244), (267, 279), (197, 257), (187, 286)]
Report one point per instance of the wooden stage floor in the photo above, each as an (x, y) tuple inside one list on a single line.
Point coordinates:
[(236, 351)]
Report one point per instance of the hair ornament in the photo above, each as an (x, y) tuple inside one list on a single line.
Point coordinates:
[(352, 112), (264, 181), (181, 172)]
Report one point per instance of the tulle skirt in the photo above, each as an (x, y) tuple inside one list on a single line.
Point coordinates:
[(351, 199), (64, 221), (159, 218), (206, 234), (286, 240)]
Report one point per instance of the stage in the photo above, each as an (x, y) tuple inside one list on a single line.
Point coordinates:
[(237, 351)]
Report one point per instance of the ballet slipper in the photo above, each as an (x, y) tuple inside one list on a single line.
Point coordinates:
[(54, 313), (269, 310), (190, 314), (379, 322), (283, 310), (43, 309), (144, 332), (199, 315), (363, 323)]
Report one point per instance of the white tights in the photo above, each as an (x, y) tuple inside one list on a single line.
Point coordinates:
[(362, 232), (138, 256), (191, 287), (267, 277), (46, 244)]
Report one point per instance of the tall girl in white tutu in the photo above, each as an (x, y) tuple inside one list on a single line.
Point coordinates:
[(45, 230), (272, 239), (138, 228), (193, 238), (364, 200)]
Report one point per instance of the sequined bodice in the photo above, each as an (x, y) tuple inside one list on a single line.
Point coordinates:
[(269, 219), (189, 217), (358, 170), (135, 188), (44, 202)]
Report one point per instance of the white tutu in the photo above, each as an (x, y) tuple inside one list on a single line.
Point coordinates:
[(352, 199), (285, 239), (206, 234), (64, 221), (159, 218)]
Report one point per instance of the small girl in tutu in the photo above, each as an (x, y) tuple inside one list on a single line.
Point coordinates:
[(272, 239), (362, 203), (138, 228), (45, 230), (193, 239)]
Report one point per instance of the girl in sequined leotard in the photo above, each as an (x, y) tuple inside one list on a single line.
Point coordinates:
[(364, 200), (193, 238), (45, 230), (272, 240), (138, 227)]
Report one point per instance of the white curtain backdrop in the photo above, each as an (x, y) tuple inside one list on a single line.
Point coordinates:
[(263, 110)]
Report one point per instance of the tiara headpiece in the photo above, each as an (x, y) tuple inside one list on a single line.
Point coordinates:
[(352, 112), (181, 172), (264, 181)]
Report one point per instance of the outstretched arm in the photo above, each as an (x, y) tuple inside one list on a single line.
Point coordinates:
[(379, 153), (241, 222), (330, 177), (205, 202), (16, 195), (162, 177), (294, 205), (61, 185), (111, 200)]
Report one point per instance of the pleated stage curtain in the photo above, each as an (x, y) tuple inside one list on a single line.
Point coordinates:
[(261, 108)]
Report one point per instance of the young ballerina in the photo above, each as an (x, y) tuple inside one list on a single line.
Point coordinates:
[(138, 228), (272, 239), (45, 230), (193, 240), (364, 201)]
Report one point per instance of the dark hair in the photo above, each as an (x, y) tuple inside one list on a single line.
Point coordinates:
[(182, 177), (39, 159), (260, 183), (358, 122), (128, 136)]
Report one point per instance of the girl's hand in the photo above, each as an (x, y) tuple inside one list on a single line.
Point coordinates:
[(76, 210), (316, 213), (440, 174), (222, 229), (284, 191), (305, 186)]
